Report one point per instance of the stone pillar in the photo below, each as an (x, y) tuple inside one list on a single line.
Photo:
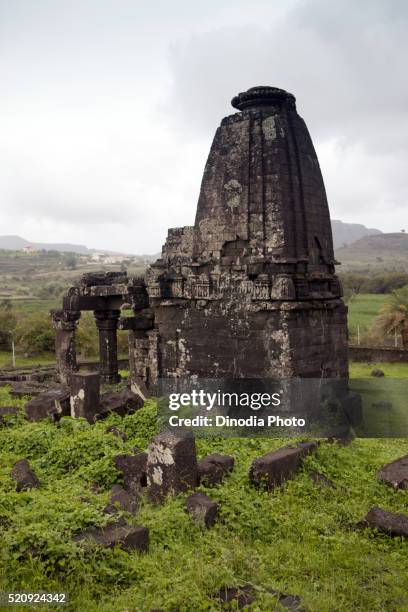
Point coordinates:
[(107, 324), (65, 323), (84, 395)]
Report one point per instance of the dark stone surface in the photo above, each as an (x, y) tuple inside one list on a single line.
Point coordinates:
[(290, 602), (6, 411), (276, 467), (27, 389), (377, 373), (133, 468), (129, 537), (395, 473), (321, 480), (65, 323), (121, 500), (391, 523), (202, 509), (117, 433), (122, 402), (24, 476), (54, 403), (243, 595), (213, 468), (107, 324), (171, 464), (85, 399)]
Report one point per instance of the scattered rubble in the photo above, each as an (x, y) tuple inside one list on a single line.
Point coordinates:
[(24, 476), (54, 403), (129, 537), (202, 508), (213, 468), (84, 400), (6, 411), (243, 595), (121, 500), (171, 464), (26, 389), (322, 480), (391, 523), (133, 468), (276, 467), (122, 402), (395, 473)]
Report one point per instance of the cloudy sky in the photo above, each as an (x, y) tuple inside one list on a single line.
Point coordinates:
[(108, 107)]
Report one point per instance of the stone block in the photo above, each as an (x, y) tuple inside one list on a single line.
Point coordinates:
[(242, 596), (121, 500), (213, 468), (6, 411), (133, 468), (85, 399), (274, 468), (391, 523), (202, 509), (129, 537), (24, 476), (171, 464), (395, 474), (122, 402), (54, 403)]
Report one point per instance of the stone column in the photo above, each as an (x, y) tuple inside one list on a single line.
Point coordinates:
[(84, 395), (65, 323), (107, 324)]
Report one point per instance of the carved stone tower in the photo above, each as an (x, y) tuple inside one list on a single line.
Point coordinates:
[(250, 290)]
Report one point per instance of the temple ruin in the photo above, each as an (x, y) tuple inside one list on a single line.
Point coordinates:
[(250, 290)]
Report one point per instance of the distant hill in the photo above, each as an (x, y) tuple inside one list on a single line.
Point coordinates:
[(16, 243), (375, 253), (347, 233)]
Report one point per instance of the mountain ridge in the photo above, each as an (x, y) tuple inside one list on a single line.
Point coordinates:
[(343, 234)]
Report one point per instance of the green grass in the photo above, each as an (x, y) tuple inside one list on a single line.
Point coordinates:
[(391, 370), (362, 309), (30, 305), (21, 361), (299, 539)]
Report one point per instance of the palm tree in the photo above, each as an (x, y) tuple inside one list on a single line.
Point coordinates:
[(393, 317)]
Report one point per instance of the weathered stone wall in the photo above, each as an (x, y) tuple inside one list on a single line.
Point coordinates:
[(370, 354)]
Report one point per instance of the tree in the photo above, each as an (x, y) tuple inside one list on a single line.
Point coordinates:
[(71, 262), (352, 284), (35, 334), (8, 324), (393, 317)]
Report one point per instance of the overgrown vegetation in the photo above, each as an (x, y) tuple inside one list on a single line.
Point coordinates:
[(299, 539)]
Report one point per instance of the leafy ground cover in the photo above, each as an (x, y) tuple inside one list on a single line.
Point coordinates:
[(299, 539)]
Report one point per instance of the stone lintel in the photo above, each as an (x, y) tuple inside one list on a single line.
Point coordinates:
[(141, 322)]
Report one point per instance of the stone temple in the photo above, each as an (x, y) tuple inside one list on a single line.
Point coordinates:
[(248, 291)]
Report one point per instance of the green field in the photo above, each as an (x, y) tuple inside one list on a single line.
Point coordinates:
[(300, 538), (362, 310)]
